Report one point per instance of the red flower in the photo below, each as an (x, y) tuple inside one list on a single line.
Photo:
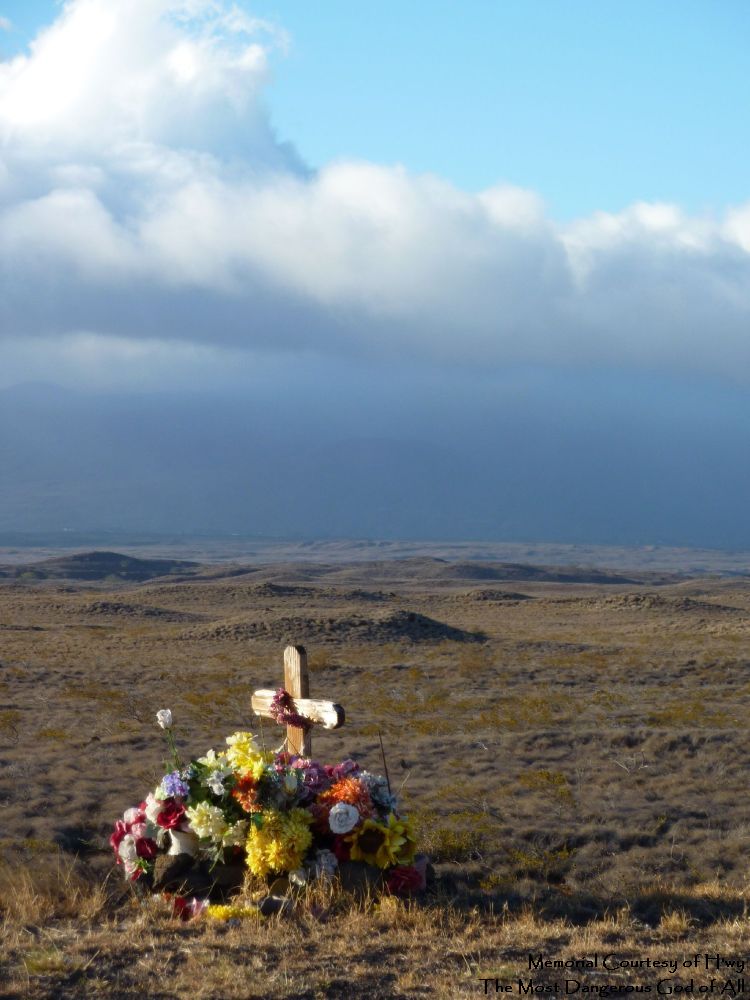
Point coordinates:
[(170, 815), (320, 817), (146, 848), (341, 849), (119, 832), (181, 908), (404, 880)]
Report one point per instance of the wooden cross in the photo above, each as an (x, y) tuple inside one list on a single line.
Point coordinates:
[(297, 682)]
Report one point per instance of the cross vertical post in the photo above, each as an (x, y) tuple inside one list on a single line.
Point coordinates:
[(297, 683)]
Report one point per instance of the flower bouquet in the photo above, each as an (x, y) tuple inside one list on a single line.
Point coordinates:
[(247, 809)]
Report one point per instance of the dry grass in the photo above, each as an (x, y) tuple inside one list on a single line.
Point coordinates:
[(116, 948), (577, 780)]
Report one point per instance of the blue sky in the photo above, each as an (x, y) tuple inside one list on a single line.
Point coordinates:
[(497, 251), (593, 105)]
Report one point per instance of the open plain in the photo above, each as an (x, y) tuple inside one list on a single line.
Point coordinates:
[(573, 745)]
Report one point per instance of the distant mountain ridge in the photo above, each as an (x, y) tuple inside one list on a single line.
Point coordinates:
[(98, 566), (115, 566)]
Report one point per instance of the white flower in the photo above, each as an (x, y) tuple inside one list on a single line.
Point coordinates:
[(291, 782), (236, 835), (131, 815), (164, 718), (218, 771), (343, 818), (216, 783), (325, 862), (153, 807), (126, 850), (207, 821)]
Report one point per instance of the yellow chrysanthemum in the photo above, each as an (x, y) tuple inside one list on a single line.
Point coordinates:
[(217, 911), (383, 844), (245, 756), (280, 843)]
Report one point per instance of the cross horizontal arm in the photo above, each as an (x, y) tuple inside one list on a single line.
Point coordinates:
[(327, 714)]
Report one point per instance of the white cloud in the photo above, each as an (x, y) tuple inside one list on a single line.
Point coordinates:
[(5, 24), (144, 195)]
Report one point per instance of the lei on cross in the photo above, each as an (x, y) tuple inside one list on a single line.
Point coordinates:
[(283, 713)]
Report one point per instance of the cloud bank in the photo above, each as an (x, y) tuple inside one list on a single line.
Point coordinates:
[(145, 200)]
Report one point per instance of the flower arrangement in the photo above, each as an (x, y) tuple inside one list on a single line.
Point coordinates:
[(273, 813)]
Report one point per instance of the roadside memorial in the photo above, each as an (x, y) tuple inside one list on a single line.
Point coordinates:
[(248, 819)]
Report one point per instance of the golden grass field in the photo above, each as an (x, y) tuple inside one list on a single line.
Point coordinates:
[(575, 755)]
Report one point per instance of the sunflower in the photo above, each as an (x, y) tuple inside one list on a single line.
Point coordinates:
[(383, 844)]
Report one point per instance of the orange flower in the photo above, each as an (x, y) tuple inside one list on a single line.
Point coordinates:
[(246, 793), (351, 791)]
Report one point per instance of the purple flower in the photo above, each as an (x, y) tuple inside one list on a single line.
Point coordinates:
[(315, 778), (173, 785), (346, 769)]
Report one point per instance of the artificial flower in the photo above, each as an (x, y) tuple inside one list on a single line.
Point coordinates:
[(216, 771), (164, 718), (127, 850), (280, 842), (174, 785), (154, 806), (245, 792), (185, 908), (404, 880), (229, 911), (343, 818), (379, 790), (171, 814), (245, 756), (383, 844), (346, 769), (145, 848), (351, 791), (207, 821), (117, 835), (324, 863), (235, 835)]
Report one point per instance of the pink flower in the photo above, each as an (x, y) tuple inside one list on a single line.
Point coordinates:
[(186, 907), (346, 769)]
